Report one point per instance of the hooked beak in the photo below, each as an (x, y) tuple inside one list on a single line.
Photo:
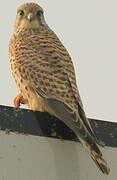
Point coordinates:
[(30, 16)]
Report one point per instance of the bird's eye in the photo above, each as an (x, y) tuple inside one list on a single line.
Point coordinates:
[(20, 13), (39, 13)]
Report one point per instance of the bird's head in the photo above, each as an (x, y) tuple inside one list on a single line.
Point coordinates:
[(29, 16)]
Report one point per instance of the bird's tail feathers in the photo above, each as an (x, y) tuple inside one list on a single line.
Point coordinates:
[(96, 155), (102, 165)]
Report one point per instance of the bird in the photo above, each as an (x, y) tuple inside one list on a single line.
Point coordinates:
[(44, 74)]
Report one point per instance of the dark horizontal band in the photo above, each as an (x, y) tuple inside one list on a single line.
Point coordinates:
[(42, 124)]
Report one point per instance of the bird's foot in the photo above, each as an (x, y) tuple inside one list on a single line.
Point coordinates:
[(18, 100)]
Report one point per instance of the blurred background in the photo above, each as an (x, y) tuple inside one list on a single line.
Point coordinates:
[(88, 29)]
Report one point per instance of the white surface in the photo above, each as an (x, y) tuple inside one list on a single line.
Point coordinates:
[(88, 29), (37, 158)]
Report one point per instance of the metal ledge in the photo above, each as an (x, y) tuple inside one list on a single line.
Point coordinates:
[(35, 156), (42, 124)]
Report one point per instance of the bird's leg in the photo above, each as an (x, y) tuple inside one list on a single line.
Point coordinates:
[(19, 99)]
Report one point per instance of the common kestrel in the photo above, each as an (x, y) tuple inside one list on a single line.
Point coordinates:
[(45, 76)]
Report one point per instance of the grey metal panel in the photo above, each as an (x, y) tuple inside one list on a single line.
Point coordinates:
[(28, 157), (37, 146)]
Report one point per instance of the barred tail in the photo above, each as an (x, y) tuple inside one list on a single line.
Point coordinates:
[(102, 165), (96, 155), (77, 121)]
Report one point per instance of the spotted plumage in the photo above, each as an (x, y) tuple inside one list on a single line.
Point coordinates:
[(44, 74)]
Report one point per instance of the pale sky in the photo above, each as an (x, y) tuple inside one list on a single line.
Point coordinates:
[(88, 29)]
